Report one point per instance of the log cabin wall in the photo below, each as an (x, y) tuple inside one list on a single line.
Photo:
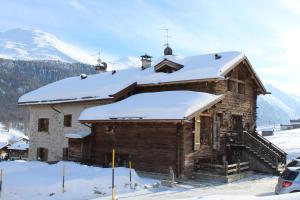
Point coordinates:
[(197, 86), (152, 147), (238, 102), (75, 147)]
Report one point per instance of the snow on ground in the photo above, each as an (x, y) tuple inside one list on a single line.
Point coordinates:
[(257, 187), (38, 181), (35, 180)]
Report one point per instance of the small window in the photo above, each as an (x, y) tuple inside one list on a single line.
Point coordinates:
[(231, 86), (241, 88), (67, 120), (220, 118), (43, 125)]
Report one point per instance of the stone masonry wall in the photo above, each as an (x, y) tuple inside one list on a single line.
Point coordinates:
[(54, 139)]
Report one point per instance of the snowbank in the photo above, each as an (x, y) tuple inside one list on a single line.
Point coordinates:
[(38, 181)]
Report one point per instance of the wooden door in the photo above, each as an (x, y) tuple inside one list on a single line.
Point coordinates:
[(205, 130)]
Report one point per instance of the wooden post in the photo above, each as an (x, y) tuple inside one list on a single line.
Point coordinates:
[(63, 178), (113, 176), (226, 168), (130, 174), (238, 166)]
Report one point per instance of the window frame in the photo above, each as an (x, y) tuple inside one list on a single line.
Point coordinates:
[(68, 120), (43, 125)]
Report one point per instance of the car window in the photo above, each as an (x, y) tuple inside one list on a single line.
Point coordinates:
[(294, 163), (289, 175)]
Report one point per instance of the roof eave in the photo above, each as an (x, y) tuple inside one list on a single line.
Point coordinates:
[(130, 121)]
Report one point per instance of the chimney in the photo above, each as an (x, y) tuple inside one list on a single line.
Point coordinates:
[(217, 56), (146, 61)]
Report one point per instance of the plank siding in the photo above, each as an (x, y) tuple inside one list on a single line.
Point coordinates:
[(151, 147)]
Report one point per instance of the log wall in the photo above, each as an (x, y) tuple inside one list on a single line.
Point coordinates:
[(152, 147)]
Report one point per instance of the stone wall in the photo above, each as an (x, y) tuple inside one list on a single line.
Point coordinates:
[(54, 139)]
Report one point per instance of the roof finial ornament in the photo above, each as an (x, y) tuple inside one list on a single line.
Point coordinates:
[(168, 51), (100, 66)]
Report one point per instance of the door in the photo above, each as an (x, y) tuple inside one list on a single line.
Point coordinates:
[(237, 123), (42, 154), (205, 130)]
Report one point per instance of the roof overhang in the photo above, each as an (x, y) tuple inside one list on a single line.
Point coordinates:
[(64, 101), (77, 134)]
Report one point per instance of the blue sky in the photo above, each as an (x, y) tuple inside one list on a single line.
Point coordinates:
[(267, 31)]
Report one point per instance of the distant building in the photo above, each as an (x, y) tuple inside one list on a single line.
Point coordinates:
[(267, 133), (286, 127), (18, 150), (295, 123)]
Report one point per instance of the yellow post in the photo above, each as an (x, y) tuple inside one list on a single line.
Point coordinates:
[(63, 178), (113, 176), (130, 174)]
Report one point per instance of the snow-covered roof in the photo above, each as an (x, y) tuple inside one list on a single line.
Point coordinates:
[(77, 134), (3, 144), (158, 105), (102, 86), (19, 146)]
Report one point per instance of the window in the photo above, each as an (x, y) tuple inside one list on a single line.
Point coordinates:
[(237, 123), (205, 130), (241, 88), (67, 120), (220, 118), (43, 125), (42, 154), (231, 86)]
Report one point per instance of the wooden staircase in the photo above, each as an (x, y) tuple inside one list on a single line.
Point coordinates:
[(271, 156)]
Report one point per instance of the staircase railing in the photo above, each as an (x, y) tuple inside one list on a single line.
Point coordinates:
[(264, 148)]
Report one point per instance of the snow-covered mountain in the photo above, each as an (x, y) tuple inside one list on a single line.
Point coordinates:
[(278, 107), (124, 63), (33, 44)]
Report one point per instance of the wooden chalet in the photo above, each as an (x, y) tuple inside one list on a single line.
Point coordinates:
[(18, 150), (193, 114), (184, 122)]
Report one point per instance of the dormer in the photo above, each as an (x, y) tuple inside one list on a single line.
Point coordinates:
[(167, 66)]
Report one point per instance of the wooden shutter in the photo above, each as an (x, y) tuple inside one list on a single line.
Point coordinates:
[(197, 134)]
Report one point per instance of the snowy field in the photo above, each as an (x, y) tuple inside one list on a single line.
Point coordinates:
[(289, 141), (39, 181)]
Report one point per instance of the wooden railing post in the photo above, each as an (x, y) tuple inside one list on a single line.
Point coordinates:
[(226, 168), (238, 166)]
